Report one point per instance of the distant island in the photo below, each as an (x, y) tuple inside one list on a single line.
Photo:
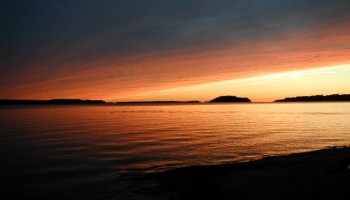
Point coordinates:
[(333, 97), (50, 102), (229, 98)]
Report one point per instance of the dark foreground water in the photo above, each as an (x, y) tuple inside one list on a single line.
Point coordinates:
[(69, 152)]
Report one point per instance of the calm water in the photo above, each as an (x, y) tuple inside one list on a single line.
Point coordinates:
[(80, 151)]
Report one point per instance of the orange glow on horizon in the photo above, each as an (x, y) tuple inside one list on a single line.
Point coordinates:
[(133, 76), (265, 88)]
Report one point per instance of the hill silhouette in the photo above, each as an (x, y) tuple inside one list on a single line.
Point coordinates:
[(333, 97), (50, 102), (229, 98)]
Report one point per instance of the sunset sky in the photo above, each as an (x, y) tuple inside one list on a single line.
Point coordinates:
[(138, 50)]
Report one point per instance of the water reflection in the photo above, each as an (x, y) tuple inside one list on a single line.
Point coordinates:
[(74, 145)]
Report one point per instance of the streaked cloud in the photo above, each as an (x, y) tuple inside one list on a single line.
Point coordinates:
[(114, 49)]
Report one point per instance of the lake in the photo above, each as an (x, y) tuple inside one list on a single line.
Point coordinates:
[(65, 152)]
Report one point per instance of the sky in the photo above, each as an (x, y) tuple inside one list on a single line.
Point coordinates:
[(137, 50)]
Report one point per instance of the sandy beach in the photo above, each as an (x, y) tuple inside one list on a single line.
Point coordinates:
[(322, 174)]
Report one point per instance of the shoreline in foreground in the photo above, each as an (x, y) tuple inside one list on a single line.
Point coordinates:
[(321, 174)]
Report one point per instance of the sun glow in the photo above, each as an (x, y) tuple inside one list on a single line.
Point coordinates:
[(264, 88)]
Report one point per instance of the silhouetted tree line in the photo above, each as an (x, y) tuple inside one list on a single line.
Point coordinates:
[(333, 97), (229, 98), (52, 101)]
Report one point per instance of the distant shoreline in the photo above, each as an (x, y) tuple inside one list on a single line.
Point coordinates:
[(219, 100), (317, 98), (52, 102), (155, 103)]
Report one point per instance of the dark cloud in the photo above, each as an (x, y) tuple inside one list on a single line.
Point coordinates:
[(45, 28)]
